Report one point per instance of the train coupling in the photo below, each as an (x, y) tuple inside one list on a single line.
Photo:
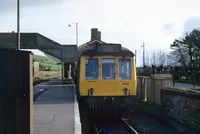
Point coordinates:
[(126, 91)]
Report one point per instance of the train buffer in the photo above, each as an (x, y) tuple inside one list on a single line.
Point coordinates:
[(56, 110)]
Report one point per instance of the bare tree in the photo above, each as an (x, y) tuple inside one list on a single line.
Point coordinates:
[(148, 60), (161, 58), (172, 60), (156, 58)]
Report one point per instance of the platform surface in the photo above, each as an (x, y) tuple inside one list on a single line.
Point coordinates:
[(56, 110)]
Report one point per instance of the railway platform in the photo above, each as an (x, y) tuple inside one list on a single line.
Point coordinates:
[(56, 109)]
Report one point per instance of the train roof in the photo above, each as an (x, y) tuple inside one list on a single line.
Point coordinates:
[(93, 53), (100, 49)]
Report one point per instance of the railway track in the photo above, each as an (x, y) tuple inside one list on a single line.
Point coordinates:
[(104, 121), (112, 124)]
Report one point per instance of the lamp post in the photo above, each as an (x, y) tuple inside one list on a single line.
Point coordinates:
[(76, 31), (18, 24), (69, 72)]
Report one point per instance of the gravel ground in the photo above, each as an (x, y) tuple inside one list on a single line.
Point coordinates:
[(148, 125)]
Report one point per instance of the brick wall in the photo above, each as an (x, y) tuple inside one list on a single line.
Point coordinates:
[(183, 106)]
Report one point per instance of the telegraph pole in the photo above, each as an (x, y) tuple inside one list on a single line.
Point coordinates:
[(18, 24), (143, 54)]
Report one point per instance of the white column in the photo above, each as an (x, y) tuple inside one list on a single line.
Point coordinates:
[(62, 72), (69, 72)]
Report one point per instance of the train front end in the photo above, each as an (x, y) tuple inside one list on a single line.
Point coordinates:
[(107, 76)]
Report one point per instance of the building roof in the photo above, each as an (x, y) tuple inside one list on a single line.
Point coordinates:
[(95, 38)]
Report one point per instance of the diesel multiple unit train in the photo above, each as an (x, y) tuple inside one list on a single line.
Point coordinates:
[(106, 72)]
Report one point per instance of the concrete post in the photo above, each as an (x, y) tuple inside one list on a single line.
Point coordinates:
[(151, 91), (62, 72), (61, 55), (159, 84), (143, 88), (139, 88)]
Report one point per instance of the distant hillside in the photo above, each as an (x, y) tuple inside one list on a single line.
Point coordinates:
[(43, 59), (46, 64)]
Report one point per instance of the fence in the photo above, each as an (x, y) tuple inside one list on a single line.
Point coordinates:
[(148, 88)]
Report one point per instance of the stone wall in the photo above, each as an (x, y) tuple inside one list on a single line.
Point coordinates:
[(183, 106)]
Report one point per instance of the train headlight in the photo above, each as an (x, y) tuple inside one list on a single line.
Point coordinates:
[(125, 91), (91, 91)]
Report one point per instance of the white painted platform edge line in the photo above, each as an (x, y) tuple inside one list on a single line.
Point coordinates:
[(77, 123)]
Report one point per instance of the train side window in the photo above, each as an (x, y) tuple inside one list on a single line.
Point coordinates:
[(91, 68), (108, 68), (124, 68)]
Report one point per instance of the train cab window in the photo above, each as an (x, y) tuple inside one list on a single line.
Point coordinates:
[(124, 68), (91, 68), (108, 68)]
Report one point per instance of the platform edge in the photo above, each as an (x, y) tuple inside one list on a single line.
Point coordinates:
[(77, 123)]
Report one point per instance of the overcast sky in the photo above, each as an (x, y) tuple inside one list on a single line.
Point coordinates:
[(129, 22)]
